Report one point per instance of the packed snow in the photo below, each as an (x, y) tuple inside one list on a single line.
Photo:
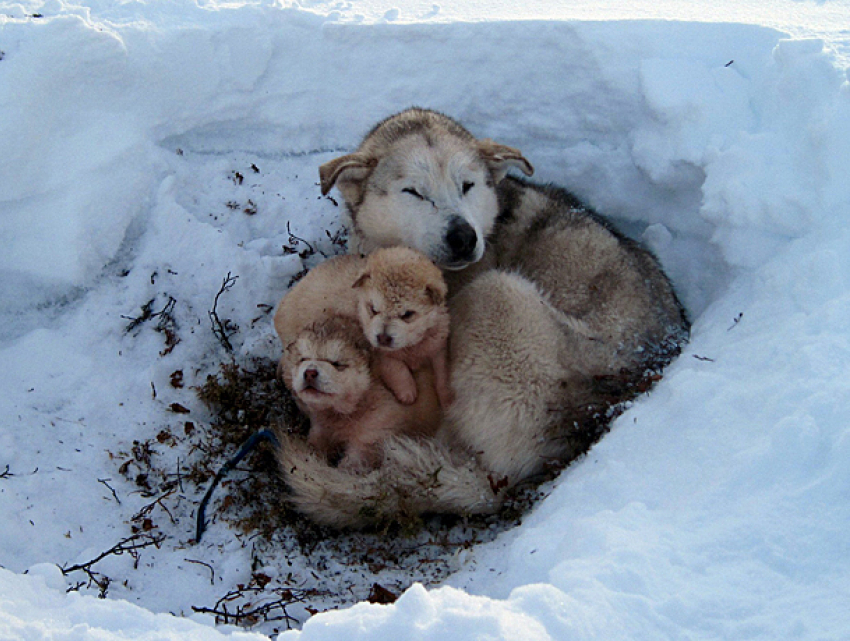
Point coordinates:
[(154, 151)]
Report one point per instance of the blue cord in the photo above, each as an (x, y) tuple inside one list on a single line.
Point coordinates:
[(250, 444)]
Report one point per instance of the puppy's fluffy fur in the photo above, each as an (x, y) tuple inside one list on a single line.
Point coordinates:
[(326, 291), (328, 368), (403, 311)]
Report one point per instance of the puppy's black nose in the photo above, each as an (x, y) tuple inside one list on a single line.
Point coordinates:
[(310, 376), (461, 239), (385, 340)]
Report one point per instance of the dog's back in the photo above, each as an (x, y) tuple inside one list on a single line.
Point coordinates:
[(590, 273)]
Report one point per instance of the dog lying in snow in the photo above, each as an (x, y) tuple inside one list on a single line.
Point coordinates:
[(554, 314)]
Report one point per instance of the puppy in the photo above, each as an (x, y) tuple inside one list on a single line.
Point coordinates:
[(329, 369), (403, 311), (325, 292)]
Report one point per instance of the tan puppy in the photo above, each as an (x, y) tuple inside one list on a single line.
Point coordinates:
[(329, 369), (403, 311), (326, 291)]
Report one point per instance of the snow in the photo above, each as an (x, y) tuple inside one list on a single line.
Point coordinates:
[(36, 607), (718, 505)]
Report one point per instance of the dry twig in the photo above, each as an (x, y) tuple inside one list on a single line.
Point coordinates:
[(223, 330), (244, 611), (131, 545)]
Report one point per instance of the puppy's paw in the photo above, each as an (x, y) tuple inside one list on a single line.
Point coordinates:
[(406, 396)]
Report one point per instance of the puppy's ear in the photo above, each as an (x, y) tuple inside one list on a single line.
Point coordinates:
[(500, 158), (362, 280), (349, 171), (437, 293)]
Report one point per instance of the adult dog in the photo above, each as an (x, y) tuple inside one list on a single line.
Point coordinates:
[(555, 315)]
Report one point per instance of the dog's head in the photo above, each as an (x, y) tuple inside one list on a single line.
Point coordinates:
[(327, 367), (421, 180), (401, 296)]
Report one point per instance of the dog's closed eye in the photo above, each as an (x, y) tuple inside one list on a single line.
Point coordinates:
[(466, 187), (413, 192)]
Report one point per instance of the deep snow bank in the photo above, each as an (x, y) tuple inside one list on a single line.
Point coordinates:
[(137, 139)]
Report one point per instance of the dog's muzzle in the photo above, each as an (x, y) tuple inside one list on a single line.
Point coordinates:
[(462, 241)]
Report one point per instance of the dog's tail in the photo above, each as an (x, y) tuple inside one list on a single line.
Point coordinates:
[(415, 477)]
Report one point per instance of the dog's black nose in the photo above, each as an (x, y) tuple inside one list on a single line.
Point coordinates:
[(310, 376), (461, 239), (385, 340)]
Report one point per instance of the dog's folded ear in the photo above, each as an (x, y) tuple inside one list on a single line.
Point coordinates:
[(500, 158), (362, 280), (351, 169)]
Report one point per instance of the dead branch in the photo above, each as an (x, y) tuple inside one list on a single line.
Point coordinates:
[(131, 545), (166, 323), (146, 315), (5, 474), (111, 489), (165, 315), (206, 565), (248, 613), (339, 238), (295, 239), (223, 330), (146, 510)]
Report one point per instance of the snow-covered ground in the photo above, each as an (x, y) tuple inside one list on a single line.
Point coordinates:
[(149, 150)]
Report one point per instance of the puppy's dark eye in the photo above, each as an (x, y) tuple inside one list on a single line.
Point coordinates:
[(466, 187), (412, 192), (372, 310), (408, 315), (339, 365)]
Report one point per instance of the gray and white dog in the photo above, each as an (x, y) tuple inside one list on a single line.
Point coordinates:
[(555, 315)]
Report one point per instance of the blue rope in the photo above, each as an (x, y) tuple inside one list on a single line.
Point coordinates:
[(250, 444)]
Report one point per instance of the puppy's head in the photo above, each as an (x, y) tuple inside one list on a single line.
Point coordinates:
[(421, 180), (327, 366), (401, 296)]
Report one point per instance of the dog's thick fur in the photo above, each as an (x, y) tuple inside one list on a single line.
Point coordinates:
[(403, 311), (415, 476), (329, 369), (554, 316)]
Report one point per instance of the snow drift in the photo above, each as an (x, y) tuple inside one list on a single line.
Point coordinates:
[(151, 149)]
